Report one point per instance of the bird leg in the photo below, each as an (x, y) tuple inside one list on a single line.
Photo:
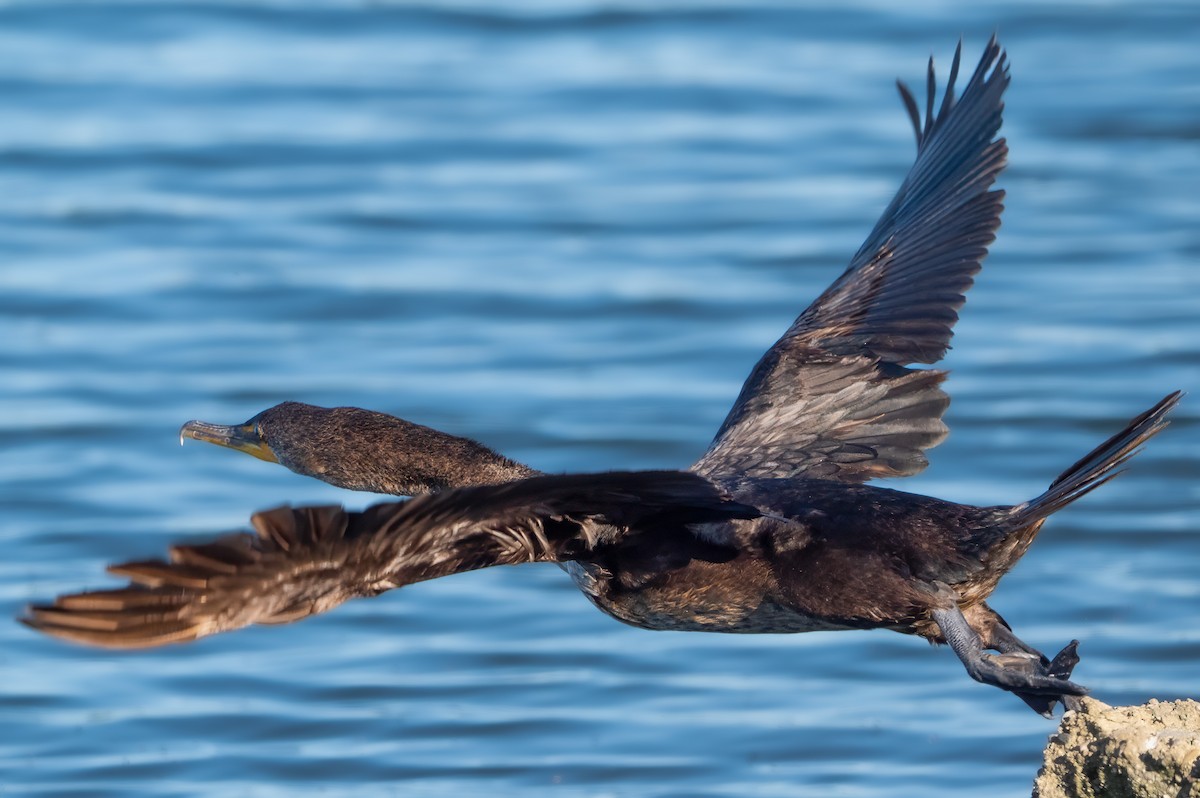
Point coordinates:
[(1001, 638), (1019, 668)]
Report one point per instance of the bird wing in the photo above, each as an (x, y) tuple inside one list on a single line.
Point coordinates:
[(307, 560), (832, 398)]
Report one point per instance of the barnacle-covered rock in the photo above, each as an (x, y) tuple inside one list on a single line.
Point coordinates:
[(1147, 751)]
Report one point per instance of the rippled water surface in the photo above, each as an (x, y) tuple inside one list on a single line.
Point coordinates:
[(568, 230)]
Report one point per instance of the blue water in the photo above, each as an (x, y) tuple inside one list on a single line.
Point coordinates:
[(568, 230)]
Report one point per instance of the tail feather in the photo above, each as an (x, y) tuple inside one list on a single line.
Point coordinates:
[(1098, 466)]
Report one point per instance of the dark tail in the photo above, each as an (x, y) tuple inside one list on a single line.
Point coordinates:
[(1098, 466)]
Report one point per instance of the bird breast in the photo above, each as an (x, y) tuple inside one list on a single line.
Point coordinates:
[(728, 597)]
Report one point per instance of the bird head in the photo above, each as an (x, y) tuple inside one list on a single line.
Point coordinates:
[(359, 449)]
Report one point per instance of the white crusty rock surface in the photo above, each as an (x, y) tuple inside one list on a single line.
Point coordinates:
[(1147, 751)]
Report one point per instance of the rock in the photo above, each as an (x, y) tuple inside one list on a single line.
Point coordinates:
[(1147, 751)]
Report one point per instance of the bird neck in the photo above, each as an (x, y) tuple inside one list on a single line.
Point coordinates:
[(383, 454), (456, 463)]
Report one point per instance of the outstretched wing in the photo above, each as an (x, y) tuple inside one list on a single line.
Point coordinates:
[(832, 398), (310, 559)]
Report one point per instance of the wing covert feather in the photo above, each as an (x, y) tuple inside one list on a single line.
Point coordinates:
[(832, 398)]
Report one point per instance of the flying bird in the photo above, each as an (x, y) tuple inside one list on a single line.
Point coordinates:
[(772, 530)]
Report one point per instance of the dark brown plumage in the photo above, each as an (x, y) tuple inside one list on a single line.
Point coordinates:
[(772, 532), (362, 450), (310, 559)]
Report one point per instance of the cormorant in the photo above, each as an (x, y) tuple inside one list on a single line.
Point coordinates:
[(772, 531)]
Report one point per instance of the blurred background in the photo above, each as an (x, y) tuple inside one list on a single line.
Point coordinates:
[(567, 229)]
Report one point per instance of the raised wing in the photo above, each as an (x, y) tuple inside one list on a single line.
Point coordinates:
[(310, 559), (832, 398)]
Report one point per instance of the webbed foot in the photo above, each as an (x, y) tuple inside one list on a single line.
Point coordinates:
[(1023, 671), (1003, 640), (1059, 668)]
